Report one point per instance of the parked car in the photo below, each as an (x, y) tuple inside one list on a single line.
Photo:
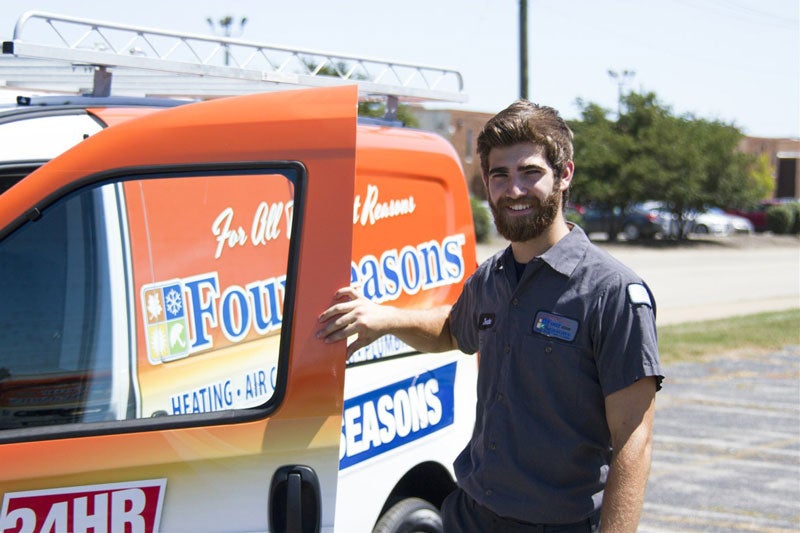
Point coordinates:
[(715, 221), (758, 214), (642, 221)]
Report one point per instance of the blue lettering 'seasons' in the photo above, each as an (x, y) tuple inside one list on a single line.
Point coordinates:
[(397, 414)]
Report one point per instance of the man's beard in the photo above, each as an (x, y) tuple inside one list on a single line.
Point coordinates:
[(525, 228)]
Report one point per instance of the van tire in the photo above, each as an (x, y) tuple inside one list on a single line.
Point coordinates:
[(412, 515)]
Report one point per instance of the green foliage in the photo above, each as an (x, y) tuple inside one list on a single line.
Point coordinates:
[(649, 153), (761, 176), (573, 216), (758, 333), (780, 219), (784, 219), (481, 220), (365, 109), (378, 110)]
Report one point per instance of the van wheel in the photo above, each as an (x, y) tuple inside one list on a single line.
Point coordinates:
[(412, 515)]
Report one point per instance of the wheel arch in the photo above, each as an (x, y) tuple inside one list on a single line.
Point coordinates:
[(429, 481)]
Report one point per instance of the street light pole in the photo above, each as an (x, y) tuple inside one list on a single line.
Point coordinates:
[(225, 24), (523, 49), (622, 79)]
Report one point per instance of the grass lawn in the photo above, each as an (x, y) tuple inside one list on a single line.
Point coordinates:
[(751, 333)]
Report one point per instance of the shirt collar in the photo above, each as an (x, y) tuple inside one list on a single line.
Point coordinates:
[(563, 257), (567, 253)]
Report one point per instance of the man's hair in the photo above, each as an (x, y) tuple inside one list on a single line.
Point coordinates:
[(523, 121)]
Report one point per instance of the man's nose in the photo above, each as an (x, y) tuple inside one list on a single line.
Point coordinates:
[(517, 185)]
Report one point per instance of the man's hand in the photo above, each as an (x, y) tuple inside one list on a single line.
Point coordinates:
[(426, 330), (352, 314)]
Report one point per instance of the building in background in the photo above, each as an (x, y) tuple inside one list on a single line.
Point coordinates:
[(461, 128), (784, 155)]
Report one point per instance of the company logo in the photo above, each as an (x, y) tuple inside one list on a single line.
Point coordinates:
[(130, 506), (167, 327), (556, 326), (397, 414), (181, 315)]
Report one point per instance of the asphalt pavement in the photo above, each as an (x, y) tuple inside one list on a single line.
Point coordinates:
[(726, 452)]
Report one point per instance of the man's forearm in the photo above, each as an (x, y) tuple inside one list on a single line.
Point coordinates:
[(426, 330), (627, 479)]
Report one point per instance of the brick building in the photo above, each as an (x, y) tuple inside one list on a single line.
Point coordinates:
[(784, 155)]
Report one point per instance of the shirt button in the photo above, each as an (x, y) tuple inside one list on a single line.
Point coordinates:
[(507, 348), (492, 446), (515, 302), (548, 349), (488, 492), (500, 397)]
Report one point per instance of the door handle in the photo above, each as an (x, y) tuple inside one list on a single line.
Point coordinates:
[(295, 500)]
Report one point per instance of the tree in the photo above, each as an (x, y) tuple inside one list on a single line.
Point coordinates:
[(600, 152), (365, 108), (649, 153)]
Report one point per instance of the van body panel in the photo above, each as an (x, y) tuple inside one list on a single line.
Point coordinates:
[(385, 209), (209, 470)]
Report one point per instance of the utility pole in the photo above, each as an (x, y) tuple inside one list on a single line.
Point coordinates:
[(523, 49), (622, 79), (225, 25)]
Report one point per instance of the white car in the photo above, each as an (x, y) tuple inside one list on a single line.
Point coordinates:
[(715, 221)]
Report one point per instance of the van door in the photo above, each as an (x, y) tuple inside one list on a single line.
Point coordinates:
[(159, 288)]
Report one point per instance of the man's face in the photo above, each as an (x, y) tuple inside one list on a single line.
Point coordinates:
[(524, 195)]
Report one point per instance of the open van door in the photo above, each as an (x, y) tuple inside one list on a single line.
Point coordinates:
[(159, 288)]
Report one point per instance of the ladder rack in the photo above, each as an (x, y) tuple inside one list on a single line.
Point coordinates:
[(63, 54)]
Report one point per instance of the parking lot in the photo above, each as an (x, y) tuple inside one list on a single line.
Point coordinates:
[(727, 446)]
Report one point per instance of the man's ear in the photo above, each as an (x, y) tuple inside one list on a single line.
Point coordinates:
[(566, 175)]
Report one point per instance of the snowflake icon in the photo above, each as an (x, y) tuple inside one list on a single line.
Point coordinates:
[(174, 302)]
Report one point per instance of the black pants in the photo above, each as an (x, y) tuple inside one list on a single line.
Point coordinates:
[(462, 514)]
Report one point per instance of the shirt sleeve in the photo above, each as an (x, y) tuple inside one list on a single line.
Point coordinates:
[(626, 344), (462, 318)]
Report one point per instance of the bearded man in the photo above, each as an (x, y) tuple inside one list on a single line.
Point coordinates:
[(569, 363)]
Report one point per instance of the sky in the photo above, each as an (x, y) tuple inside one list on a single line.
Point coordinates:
[(734, 61)]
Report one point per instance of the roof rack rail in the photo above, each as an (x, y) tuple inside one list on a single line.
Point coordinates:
[(58, 53)]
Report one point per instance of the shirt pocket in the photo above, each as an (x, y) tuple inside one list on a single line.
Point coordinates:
[(560, 368)]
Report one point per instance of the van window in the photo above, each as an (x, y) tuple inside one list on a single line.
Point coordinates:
[(146, 298)]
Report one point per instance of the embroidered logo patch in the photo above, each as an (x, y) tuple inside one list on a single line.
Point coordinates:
[(555, 326), (486, 321), (639, 295)]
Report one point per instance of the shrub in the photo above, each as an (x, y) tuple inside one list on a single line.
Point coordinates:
[(480, 219), (795, 207), (780, 219)]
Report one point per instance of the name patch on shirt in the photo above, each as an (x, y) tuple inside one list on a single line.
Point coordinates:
[(555, 326), (486, 321)]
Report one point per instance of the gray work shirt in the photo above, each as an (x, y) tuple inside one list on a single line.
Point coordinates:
[(577, 327)]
